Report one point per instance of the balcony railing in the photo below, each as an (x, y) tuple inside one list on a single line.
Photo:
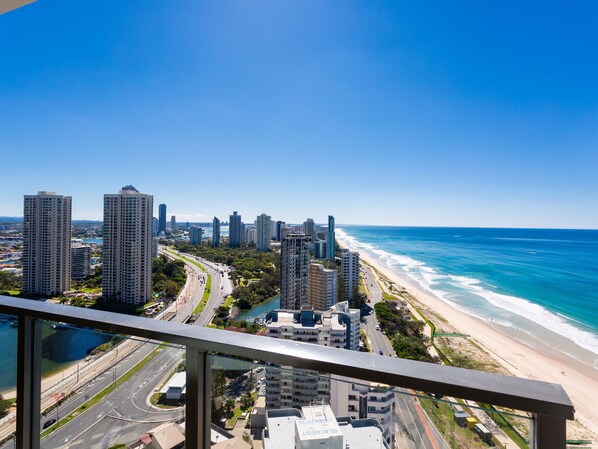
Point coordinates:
[(547, 403)]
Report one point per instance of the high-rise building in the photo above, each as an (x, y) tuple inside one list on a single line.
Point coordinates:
[(162, 218), (234, 230), (293, 387), (251, 236), (195, 234), (155, 226), (127, 247), (322, 287), (216, 232), (263, 227), (279, 226), (294, 270), (46, 256), (243, 233), (155, 245), (330, 239), (173, 223), (284, 232), (309, 228), (80, 261), (349, 273)]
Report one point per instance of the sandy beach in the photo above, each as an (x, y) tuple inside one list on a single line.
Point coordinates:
[(580, 380)]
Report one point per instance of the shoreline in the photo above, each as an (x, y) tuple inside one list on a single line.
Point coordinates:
[(511, 350)]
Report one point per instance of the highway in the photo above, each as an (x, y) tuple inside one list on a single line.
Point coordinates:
[(412, 427), (124, 414)]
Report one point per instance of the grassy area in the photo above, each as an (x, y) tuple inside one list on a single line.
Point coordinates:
[(204, 297), (236, 415), (457, 437), (191, 261), (98, 397), (228, 302), (389, 297)]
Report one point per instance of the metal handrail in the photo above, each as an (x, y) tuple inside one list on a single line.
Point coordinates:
[(542, 399)]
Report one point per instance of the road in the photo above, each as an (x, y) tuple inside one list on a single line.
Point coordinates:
[(412, 427), (124, 414)]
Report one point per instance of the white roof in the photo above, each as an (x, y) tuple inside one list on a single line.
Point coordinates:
[(179, 380)]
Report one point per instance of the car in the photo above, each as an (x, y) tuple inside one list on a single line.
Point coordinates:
[(377, 327), (380, 352), (48, 423)]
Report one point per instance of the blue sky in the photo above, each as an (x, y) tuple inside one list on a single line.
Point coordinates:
[(398, 113)]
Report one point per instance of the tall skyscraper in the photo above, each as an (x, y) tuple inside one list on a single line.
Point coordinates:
[(330, 239), (263, 228), (173, 223), (155, 226), (251, 236), (127, 248), (162, 218), (195, 234), (46, 244), (216, 232), (309, 228), (234, 230), (293, 387), (349, 273), (322, 287), (80, 261), (294, 271), (279, 226)]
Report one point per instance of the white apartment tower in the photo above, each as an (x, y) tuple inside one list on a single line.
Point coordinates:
[(349, 273), (127, 248), (294, 267), (46, 244), (322, 287), (293, 387), (263, 227)]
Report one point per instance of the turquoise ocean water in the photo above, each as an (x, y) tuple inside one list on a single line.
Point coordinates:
[(531, 280)]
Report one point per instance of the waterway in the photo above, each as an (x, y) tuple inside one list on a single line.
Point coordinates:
[(260, 311), (60, 349)]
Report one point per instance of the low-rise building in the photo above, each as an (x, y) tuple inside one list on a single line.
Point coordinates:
[(314, 427)]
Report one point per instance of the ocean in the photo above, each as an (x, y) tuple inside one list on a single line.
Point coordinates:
[(531, 280)]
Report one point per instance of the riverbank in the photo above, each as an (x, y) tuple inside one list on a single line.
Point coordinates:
[(511, 349)]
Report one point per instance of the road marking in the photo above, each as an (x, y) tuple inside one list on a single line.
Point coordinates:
[(421, 416)]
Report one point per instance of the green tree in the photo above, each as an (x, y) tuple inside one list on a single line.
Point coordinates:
[(4, 406), (246, 400)]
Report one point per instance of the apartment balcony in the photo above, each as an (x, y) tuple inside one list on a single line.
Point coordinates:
[(204, 351)]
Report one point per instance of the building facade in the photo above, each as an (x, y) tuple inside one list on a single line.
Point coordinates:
[(127, 248), (263, 228), (330, 239), (234, 230), (80, 261), (350, 273), (215, 232), (309, 229), (292, 387), (173, 223), (294, 272), (195, 235), (322, 287), (46, 256), (162, 218)]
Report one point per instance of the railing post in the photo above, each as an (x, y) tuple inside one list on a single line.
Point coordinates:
[(548, 433), (198, 400), (28, 383)]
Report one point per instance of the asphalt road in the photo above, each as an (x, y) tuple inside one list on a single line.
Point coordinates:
[(412, 427), (124, 415)]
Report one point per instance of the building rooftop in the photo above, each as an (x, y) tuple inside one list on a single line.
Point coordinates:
[(316, 426)]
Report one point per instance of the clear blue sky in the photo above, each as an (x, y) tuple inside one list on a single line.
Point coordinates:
[(399, 113)]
